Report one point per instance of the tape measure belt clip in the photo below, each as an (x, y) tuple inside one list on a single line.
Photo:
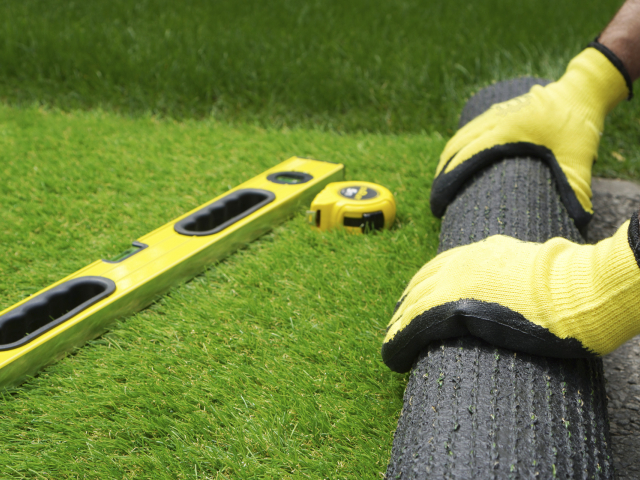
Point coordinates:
[(368, 221), (225, 212), (51, 308)]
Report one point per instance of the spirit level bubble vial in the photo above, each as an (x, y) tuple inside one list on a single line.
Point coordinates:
[(43, 327), (359, 207)]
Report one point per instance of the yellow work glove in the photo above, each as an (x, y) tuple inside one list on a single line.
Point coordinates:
[(557, 298), (560, 124)]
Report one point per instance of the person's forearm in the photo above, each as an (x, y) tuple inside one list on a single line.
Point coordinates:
[(622, 37)]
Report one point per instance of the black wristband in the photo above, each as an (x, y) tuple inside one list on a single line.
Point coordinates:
[(613, 58)]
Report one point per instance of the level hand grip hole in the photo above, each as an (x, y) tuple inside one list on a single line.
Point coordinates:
[(225, 212), (51, 308)]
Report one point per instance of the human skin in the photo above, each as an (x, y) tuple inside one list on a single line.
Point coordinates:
[(622, 37)]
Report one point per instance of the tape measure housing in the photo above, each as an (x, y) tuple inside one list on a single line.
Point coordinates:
[(358, 207)]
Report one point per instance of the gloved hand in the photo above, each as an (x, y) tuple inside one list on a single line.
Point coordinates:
[(560, 124), (557, 298)]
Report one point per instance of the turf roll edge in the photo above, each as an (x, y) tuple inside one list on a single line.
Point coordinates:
[(472, 410)]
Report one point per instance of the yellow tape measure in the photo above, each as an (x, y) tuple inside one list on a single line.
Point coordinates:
[(359, 207)]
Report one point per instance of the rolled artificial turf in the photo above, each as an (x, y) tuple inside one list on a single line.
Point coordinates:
[(472, 410)]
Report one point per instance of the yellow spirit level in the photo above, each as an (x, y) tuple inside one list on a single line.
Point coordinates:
[(359, 207), (41, 328)]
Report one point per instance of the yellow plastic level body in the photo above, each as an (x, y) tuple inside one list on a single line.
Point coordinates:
[(43, 327)]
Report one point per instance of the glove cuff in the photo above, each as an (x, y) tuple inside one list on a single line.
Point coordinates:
[(634, 236), (593, 84), (613, 58)]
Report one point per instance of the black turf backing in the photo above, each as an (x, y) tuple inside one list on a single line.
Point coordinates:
[(475, 411)]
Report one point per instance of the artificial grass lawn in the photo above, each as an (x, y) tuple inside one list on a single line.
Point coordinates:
[(393, 66), (267, 365)]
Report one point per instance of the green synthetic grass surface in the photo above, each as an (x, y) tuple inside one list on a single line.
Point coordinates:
[(267, 365), (389, 66)]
